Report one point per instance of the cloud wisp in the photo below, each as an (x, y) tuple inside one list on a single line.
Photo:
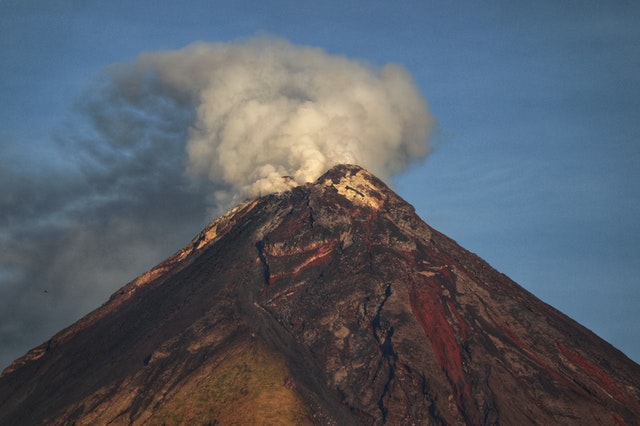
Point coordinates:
[(159, 144)]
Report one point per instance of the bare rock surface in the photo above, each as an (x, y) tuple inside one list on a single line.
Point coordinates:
[(333, 303)]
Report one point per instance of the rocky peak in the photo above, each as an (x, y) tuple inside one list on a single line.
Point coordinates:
[(356, 184), (332, 303)]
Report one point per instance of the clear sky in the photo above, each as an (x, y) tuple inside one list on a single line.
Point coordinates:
[(535, 166)]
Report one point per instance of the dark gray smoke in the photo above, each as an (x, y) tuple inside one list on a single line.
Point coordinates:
[(156, 144)]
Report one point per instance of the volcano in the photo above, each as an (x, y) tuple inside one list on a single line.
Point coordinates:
[(332, 303)]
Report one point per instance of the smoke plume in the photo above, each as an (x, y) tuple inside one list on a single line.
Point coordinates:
[(157, 144), (265, 108)]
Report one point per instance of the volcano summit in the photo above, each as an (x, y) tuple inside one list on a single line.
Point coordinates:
[(332, 303)]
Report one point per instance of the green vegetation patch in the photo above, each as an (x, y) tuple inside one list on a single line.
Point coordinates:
[(247, 384)]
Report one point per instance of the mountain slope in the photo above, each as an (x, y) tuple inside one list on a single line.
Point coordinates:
[(332, 303)]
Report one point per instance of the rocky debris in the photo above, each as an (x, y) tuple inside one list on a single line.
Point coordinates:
[(332, 303)]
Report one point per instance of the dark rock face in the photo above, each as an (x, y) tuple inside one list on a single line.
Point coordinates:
[(329, 304)]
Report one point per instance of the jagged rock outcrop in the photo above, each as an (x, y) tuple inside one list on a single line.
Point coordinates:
[(333, 303)]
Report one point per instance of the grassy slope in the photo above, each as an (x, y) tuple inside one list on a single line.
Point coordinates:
[(251, 385)]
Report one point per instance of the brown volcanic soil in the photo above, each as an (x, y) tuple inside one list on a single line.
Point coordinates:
[(329, 304)]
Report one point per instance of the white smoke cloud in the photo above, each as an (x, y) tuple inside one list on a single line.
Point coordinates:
[(265, 108)]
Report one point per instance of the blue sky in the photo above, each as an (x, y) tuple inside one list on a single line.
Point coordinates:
[(535, 167)]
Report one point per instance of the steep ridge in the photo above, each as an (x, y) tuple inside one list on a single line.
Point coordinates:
[(333, 303)]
